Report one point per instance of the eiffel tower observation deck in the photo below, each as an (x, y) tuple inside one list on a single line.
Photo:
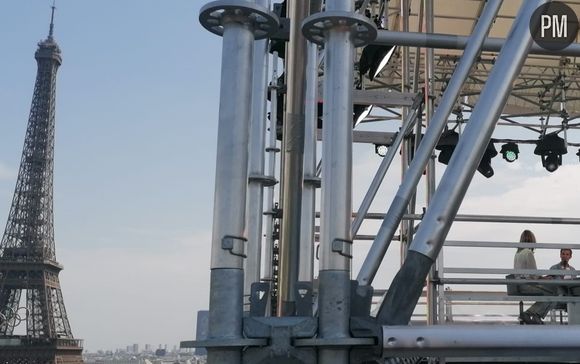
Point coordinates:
[(27, 251)]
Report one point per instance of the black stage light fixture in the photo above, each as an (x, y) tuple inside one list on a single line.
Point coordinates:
[(510, 151), (381, 149), (374, 58), (447, 144), (360, 112), (551, 148), (485, 164)]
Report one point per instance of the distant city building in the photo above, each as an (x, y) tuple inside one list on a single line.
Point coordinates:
[(135, 348), (160, 352)]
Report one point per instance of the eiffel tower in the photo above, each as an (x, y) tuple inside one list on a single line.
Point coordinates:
[(27, 250)]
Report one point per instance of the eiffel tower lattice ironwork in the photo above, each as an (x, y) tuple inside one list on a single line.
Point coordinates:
[(27, 250)]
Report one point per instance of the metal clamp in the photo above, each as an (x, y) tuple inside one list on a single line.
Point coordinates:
[(316, 27), (313, 180), (342, 247), (266, 181), (235, 244), (215, 15)]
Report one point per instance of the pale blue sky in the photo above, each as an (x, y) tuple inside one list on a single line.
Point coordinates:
[(137, 103), (135, 153)]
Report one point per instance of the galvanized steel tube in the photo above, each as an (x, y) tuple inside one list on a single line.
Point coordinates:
[(432, 287), (450, 41), (293, 172), (306, 264), (255, 201), (555, 341), (230, 191), (232, 146), (336, 201)]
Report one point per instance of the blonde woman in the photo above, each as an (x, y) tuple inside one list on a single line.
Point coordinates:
[(525, 259)]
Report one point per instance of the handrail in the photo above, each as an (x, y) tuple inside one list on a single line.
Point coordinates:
[(502, 296), (488, 218), (505, 244), (502, 281), (551, 272)]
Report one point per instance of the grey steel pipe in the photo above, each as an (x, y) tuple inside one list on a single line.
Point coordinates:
[(428, 143), (429, 71), (492, 218), (383, 168), (430, 180), (450, 41), (398, 305), (232, 148), (272, 150), (240, 23), (293, 172), (406, 231), (226, 287), (306, 265), (337, 143), (336, 193), (255, 202), (551, 341)]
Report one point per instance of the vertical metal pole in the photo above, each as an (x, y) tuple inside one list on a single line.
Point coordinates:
[(429, 67), (306, 265), (405, 153), (398, 305), (227, 275), (272, 150), (336, 200), (428, 143), (417, 64), (255, 202), (293, 158)]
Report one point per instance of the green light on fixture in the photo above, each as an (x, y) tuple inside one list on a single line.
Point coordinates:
[(510, 152)]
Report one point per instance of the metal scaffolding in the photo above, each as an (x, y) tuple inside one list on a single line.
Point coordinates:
[(302, 304)]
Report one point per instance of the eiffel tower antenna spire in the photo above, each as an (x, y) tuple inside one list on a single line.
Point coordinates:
[(51, 30)]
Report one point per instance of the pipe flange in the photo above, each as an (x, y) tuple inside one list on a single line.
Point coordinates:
[(216, 15), (315, 28)]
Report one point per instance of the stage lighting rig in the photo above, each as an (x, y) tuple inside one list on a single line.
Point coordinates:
[(550, 148), (447, 144)]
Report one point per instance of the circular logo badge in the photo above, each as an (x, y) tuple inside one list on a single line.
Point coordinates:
[(554, 26)]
